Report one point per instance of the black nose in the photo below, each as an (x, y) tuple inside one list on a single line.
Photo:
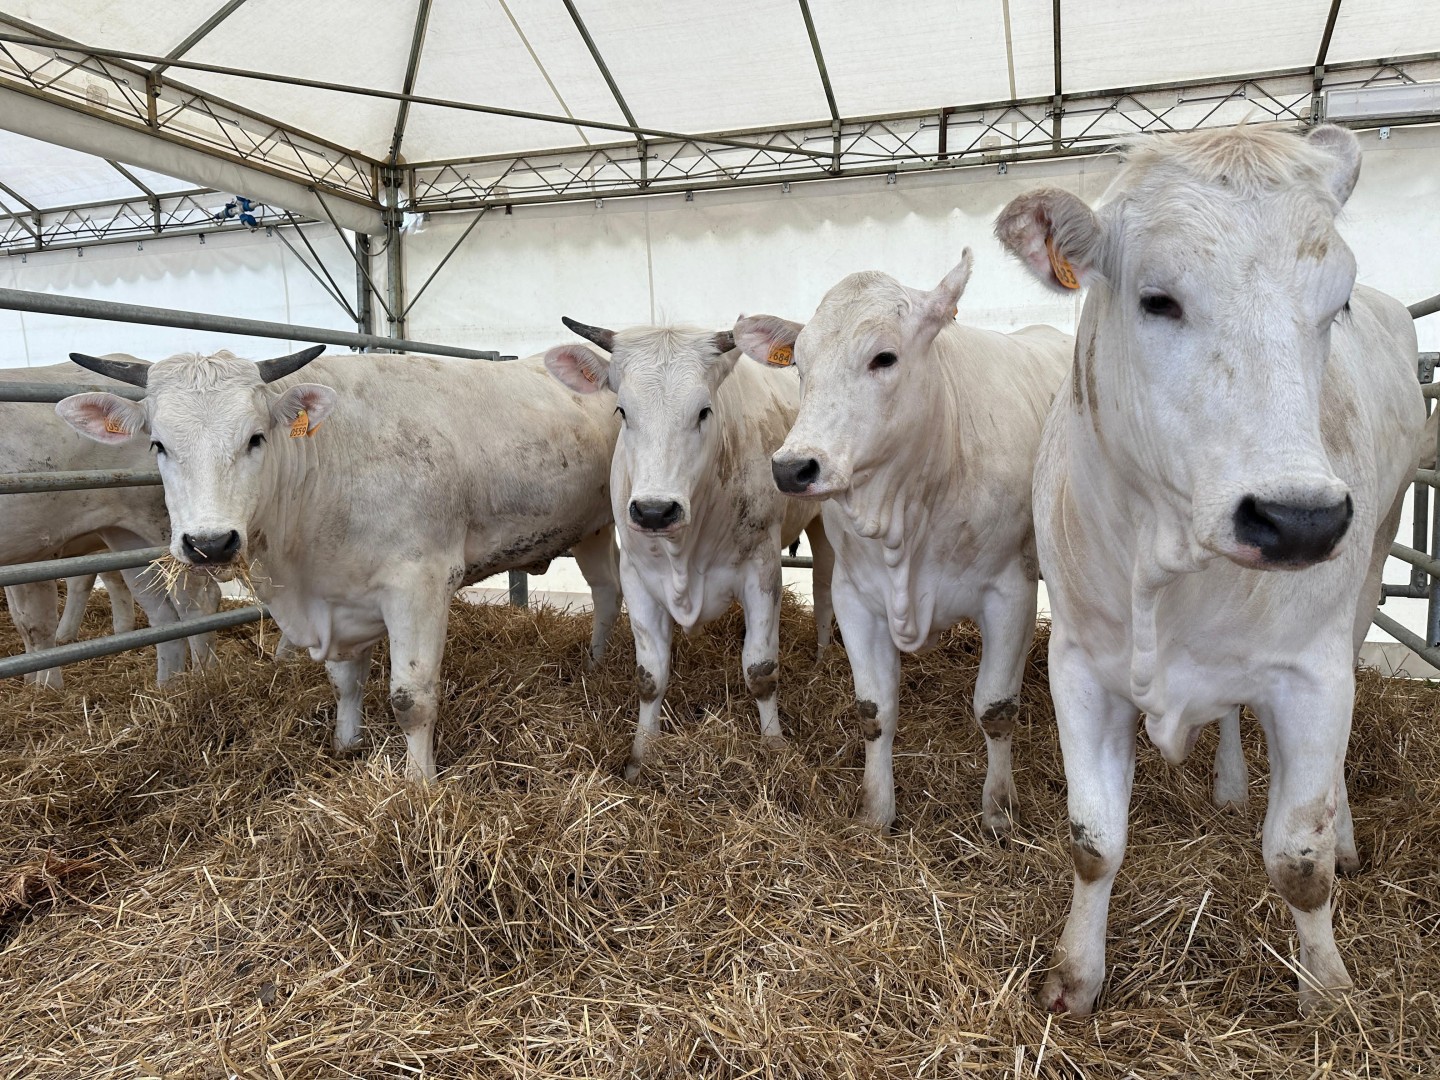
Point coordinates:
[(1289, 535), (654, 513), (214, 547), (794, 475)]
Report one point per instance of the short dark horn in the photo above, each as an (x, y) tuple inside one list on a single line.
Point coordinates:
[(598, 334), (724, 341), (278, 368), (127, 371)]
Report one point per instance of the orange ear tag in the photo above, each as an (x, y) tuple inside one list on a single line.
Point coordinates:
[(1060, 266), (114, 426), (781, 356), (300, 427)]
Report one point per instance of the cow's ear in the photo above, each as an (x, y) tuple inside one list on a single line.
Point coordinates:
[(768, 339), (102, 417), (1055, 234), (940, 305), (309, 400), (579, 367), (1344, 149)]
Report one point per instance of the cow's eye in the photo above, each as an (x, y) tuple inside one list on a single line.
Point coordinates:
[(704, 413), (256, 440), (1166, 307), (883, 360), (158, 447)]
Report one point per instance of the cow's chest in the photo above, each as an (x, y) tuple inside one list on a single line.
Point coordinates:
[(692, 593)]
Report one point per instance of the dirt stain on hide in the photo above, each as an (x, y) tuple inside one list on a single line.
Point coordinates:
[(649, 691), (1085, 854), (531, 553), (762, 679), (868, 712), (401, 699), (998, 719), (1302, 881)]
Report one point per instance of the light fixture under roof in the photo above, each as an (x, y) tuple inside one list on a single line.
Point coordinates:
[(1383, 102)]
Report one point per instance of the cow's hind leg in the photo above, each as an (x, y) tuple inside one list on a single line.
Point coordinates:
[(822, 555), (1097, 739), (348, 677), (760, 656), (653, 629), (77, 596), (1231, 788), (599, 561), (122, 604), (192, 596), (149, 591), (875, 665), (1007, 626), (34, 608), (416, 609), (1306, 731)]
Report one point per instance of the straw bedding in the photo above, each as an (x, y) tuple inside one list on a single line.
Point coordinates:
[(192, 885)]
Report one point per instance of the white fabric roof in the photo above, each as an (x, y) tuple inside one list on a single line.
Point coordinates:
[(687, 65)]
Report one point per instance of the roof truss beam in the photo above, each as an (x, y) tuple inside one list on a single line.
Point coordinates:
[(412, 68)]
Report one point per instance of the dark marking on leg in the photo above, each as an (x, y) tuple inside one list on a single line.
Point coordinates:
[(402, 699), (1085, 853), (998, 719), (869, 725), (648, 690), (761, 679), (1301, 881)]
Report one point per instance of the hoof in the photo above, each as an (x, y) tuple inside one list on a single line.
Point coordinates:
[(880, 819), (1347, 862), (1318, 1002), (998, 823), (774, 742), (1065, 994), (348, 751), (632, 770), (1230, 797)]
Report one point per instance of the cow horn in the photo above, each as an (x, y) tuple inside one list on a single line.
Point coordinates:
[(598, 334), (724, 341), (134, 372), (278, 368)]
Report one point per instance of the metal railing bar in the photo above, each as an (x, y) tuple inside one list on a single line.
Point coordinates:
[(86, 308), (1412, 641), (51, 392), (1428, 477), (1425, 307), (1415, 558), (78, 480), (76, 651), (97, 563)]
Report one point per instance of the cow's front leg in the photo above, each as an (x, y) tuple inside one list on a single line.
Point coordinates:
[(77, 596), (822, 556), (1097, 739), (195, 595), (1007, 626), (875, 665), (348, 677), (653, 628), (599, 562), (416, 618), (1231, 789), (122, 604), (35, 611), (149, 592), (760, 656), (1307, 726)]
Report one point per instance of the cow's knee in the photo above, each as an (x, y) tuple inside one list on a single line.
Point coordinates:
[(1303, 877), (1095, 855), (997, 720), (762, 679), (415, 710)]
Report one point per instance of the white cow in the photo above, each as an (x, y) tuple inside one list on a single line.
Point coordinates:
[(1238, 406), (427, 474), (921, 435), (77, 595), (691, 481), (55, 524)]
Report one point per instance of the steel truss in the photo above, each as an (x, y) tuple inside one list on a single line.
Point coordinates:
[(998, 133)]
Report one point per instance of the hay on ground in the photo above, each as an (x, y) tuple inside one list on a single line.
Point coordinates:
[(195, 887)]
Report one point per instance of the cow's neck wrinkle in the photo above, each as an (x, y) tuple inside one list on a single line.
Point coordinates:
[(284, 511)]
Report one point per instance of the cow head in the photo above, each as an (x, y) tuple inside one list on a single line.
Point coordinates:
[(862, 359), (1215, 274), (664, 380), (210, 420)]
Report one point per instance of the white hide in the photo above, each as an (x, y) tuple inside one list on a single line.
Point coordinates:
[(1217, 360), (921, 435), (697, 436), (409, 477), (65, 523)]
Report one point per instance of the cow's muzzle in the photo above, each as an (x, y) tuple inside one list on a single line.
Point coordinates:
[(656, 515), (1290, 536), (211, 548), (794, 475)]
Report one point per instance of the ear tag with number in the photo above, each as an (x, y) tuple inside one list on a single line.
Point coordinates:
[(781, 356), (300, 428), (1060, 266), (114, 426)]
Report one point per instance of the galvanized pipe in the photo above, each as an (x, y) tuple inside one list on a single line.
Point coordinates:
[(1410, 640), (1425, 307), (1428, 477), (51, 392), (1416, 558), (85, 308), (79, 480), (98, 563), (76, 651)]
